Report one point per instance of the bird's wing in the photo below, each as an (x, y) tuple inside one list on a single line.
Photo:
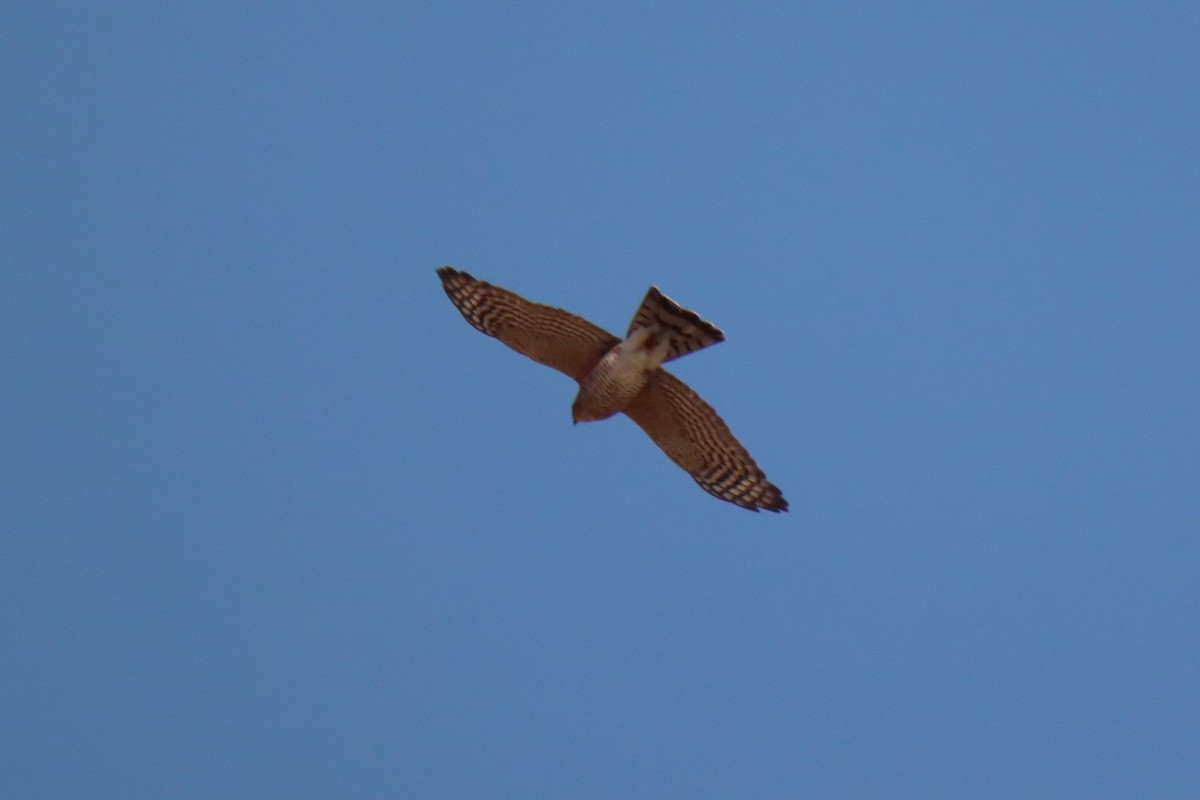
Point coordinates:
[(548, 335), (697, 439)]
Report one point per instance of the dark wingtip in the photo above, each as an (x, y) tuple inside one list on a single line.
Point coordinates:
[(773, 503)]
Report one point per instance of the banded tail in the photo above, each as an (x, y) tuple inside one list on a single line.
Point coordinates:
[(687, 332)]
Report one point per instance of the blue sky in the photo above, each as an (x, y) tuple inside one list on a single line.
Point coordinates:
[(276, 522)]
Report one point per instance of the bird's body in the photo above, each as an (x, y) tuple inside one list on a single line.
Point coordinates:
[(660, 331), (618, 376), (626, 376)]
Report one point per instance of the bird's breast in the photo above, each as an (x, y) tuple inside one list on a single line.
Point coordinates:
[(612, 383)]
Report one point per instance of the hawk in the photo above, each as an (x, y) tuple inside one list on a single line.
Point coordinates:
[(626, 375)]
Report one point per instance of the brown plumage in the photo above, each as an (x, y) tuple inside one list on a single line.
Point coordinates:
[(618, 375)]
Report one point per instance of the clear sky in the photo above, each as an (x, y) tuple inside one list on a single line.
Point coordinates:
[(276, 522)]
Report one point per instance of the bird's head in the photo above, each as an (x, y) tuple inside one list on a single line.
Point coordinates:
[(578, 413), (583, 412)]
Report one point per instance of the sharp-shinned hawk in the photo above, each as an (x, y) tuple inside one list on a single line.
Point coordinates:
[(626, 376)]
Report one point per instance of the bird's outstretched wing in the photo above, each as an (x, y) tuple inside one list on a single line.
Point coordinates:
[(548, 335), (697, 439)]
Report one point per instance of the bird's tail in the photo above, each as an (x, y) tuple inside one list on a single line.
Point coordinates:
[(685, 330)]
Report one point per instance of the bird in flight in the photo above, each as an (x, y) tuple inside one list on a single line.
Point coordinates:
[(626, 375)]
